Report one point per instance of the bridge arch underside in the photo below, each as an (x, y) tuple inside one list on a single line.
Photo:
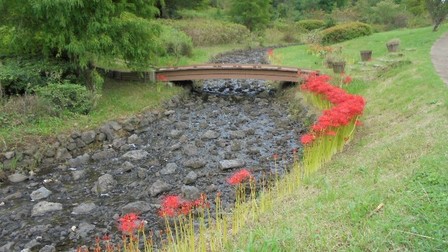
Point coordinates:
[(281, 74)]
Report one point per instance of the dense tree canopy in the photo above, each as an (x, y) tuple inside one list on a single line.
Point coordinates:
[(169, 8), (254, 14), (82, 30)]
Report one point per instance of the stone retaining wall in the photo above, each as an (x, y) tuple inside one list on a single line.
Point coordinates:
[(71, 148)]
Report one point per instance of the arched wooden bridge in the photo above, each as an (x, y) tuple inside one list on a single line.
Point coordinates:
[(215, 71), (231, 71)]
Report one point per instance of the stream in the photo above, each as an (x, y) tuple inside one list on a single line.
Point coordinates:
[(191, 149)]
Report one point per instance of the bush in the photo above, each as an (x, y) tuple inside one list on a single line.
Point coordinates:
[(206, 32), (66, 97), (311, 24), (345, 32), (175, 42), (19, 75)]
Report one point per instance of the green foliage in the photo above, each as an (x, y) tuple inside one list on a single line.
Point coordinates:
[(325, 5), (311, 24), (438, 9), (254, 14), (5, 39), (80, 30), (390, 14), (345, 32), (206, 32), (66, 97), (175, 42), (19, 75), (172, 8), (416, 7)]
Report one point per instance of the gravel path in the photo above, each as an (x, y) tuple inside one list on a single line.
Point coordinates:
[(439, 55)]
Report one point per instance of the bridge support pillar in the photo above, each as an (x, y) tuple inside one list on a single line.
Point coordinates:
[(151, 75)]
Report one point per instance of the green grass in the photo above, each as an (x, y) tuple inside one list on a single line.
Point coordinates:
[(119, 100), (399, 159)]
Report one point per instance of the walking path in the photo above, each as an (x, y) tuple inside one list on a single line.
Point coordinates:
[(439, 55)]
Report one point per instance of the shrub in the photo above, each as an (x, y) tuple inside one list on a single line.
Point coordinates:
[(66, 97), (312, 37), (311, 24), (19, 75), (345, 32), (206, 32), (176, 42)]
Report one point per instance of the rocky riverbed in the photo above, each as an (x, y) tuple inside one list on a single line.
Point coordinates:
[(187, 149)]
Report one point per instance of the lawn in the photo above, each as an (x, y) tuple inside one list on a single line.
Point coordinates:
[(388, 190)]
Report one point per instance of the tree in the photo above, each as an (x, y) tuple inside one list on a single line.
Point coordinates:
[(416, 7), (169, 8), (83, 30), (438, 10), (325, 5), (254, 14)]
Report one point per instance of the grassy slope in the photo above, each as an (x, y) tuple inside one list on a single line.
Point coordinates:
[(119, 99), (399, 159)]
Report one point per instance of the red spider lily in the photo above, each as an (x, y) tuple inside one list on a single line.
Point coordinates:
[(347, 80), (345, 108), (174, 205), (202, 202), (128, 223), (270, 52), (239, 176), (106, 237), (330, 133), (307, 139), (171, 206)]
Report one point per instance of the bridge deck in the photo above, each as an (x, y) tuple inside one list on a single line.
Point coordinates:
[(231, 71)]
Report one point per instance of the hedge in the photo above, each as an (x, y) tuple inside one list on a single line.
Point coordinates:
[(311, 24), (346, 31)]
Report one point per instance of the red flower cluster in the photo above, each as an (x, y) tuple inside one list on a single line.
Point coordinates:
[(174, 205), (270, 52), (128, 223), (239, 176), (307, 138), (347, 79), (346, 107)]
